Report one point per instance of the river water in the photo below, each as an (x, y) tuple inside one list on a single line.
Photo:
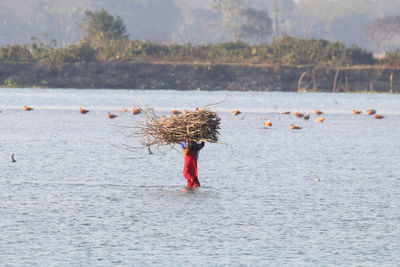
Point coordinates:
[(325, 195)]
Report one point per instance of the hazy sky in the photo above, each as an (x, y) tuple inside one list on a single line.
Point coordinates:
[(183, 21)]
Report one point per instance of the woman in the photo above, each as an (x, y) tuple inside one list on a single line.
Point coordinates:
[(191, 153)]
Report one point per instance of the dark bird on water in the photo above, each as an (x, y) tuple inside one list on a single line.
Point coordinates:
[(150, 152), (83, 111), (12, 158)]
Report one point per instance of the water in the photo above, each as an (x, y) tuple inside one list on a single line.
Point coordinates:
[(326, 195)]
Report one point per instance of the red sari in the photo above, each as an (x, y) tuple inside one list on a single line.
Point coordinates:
[(190, 171)]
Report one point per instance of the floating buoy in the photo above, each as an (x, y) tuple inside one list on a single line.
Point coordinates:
[(26, 108)]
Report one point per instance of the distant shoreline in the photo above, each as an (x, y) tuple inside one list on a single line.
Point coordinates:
[(201, 76)]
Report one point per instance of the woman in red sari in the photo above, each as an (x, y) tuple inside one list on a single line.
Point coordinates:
[(191, 153)]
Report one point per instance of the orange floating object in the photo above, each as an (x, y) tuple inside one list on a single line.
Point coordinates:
[(176, 112), (112, 116), (370, 111), (298, 114), (319, 120), (26, 108), (136, 111), (355, 111), (294, 127), (267, 124), (83, 111), (378, 116), (235, 112)]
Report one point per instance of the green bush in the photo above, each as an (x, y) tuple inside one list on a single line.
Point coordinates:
[(392, 59), (77, 53), (285, 50), (15, 53), (290, 50), (10, 83)]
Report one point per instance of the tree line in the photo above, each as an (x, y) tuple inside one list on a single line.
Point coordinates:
[(207, 21), (105, 39)]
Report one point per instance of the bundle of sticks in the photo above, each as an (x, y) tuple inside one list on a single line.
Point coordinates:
[(198, 125)]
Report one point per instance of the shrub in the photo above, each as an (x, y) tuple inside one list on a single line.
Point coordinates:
[(15, 53), (10, 83), (77, 53), (392, 59), (290, 50), (285, 50)]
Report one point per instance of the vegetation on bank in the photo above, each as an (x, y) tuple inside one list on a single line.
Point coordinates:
[(285, 50)]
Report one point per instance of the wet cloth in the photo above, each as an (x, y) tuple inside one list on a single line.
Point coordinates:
[(190, 171)]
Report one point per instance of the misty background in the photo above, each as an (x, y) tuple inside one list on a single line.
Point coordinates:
[(198, 21)]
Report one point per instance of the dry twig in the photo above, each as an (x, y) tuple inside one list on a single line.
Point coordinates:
[(199, 125)]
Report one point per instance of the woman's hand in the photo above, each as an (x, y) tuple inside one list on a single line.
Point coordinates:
[(187, 141)]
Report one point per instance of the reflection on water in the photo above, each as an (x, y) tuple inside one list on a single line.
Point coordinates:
[(324, 195)]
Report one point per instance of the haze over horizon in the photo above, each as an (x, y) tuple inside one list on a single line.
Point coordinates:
[(192, 21)]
